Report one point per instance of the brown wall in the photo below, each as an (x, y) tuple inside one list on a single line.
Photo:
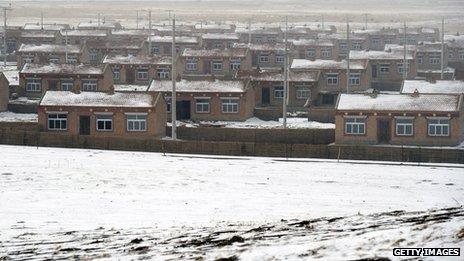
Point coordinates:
[(128, 73), (204, 66)]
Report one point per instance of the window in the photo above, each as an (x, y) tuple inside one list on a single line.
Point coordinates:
[(168, 103), (438, 126), (217, 45), (461, 55), (355, 79), (303, 92), (28, 59), (191, 64), (116, 73), (235, 65), (401, 69), (104, 122), (278, 92), (33, 85), (89, 85), (328, 99), (326, 52), (450, 55), (355, 125), (259, 39), (311, 53), (67, 84), (72, 60), (155, 50), (332, 78), (434, 58), (264, 58), (57, 121), (136, 122), (229, 105), (280, 58), (375, 41), (202, 105), (93, 56), (54, 60), (356, 46), (404, 126), (343, 47), (384, 68), (163, 73), (142, 74), (420, 59), (217, 65)]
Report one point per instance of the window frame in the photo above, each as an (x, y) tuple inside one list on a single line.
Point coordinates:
[(206, 103), (37, 84), (56, 120), (141, 72), (142, 122), (66, 82), (404, 125), (89, 82), (356, 124), (355, 79), (230, 103), (439, 125), (331, 80), (98, 118)]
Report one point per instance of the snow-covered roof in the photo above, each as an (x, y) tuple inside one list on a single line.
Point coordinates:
[(87, 33), (199, 86), (341, 36), (12, 76), (130, 88), (292, 76), (168, 39), (213, 26), (38, 34), (422, 86), (264, 31), (130, 32), (225, 36), (214, 53), (49, 48), (261, 47), (137, 59), (113, 44), (455, 41), (398, 102), (378, 55), (97, 99), (312, 42), (46, 27), (96, 24), (67, 69), (399, 47), (327, 64)]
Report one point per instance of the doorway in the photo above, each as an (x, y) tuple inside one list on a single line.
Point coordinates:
[(183, 110), (84, 125), (374, 71), (265, 96), (383, 130)]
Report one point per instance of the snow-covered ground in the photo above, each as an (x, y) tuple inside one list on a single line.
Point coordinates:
[(63, 203), (253, 123), (9, 116)]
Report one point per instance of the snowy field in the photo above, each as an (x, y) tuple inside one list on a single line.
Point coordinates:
[(8, 116), (255, 123), (73, 203)]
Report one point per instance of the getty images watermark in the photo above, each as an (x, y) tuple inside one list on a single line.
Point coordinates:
[(427, 251)]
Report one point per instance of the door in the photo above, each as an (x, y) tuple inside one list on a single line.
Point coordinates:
[(265, 96), (383, 130), (130, 75), (84, 125), (374, 71), (183, 110), (53, 85)]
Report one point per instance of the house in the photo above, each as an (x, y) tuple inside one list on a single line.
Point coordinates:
[(51, 53), (99, 114), (39, 37), (386, 68), (219, 41), (76, 36), (332, 82), (162, 45), (315, 49), (99, 49), (415, 35), (129, 35), (266, 55), (428, 56), (36, 79), (433, 87), (455, 44), (214, 28), (4, 92), (139, 69), (166, 30), (378, 38), (260, 35), (45, 27), (219, 63), (340, 42), (13, 38), (215, 100), (99, 25), (400, 119)]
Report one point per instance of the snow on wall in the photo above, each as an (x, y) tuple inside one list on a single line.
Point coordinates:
[(398, 102), (96, 99)]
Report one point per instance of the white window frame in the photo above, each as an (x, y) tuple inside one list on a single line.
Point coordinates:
[(67, 84), (439, 127), (71, 59), (326, 52), (136, 122), (280, 58), (142, 74), (401, 68), (89, 85), (420, 59), (191, 64), (264, 57), (384, 69), (54, 60), (33, 85), (355, 79), (163, 73), (28, 59), (332, 79), (303, 92), (104, 118), (311, 52), (235, 64), (168, 100), (202, 104), (278, 91), (230, 105), (216, 65), (434, 58), (57, 120), (404, 128), (93, 56), (356, 46), (355, 125)]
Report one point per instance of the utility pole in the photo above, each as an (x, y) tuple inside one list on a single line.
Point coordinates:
[(249, 31), (322, 22), (137, 20), (443, 48), (66, 45), (174, 78), (4, 33), (284, 104), (405, 61), (150, 51), (98, 20), (41, 21), (365, 21), (169, 16), (348, 46)]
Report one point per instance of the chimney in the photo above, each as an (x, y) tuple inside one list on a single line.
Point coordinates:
[(415, 93), (374, 93)]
